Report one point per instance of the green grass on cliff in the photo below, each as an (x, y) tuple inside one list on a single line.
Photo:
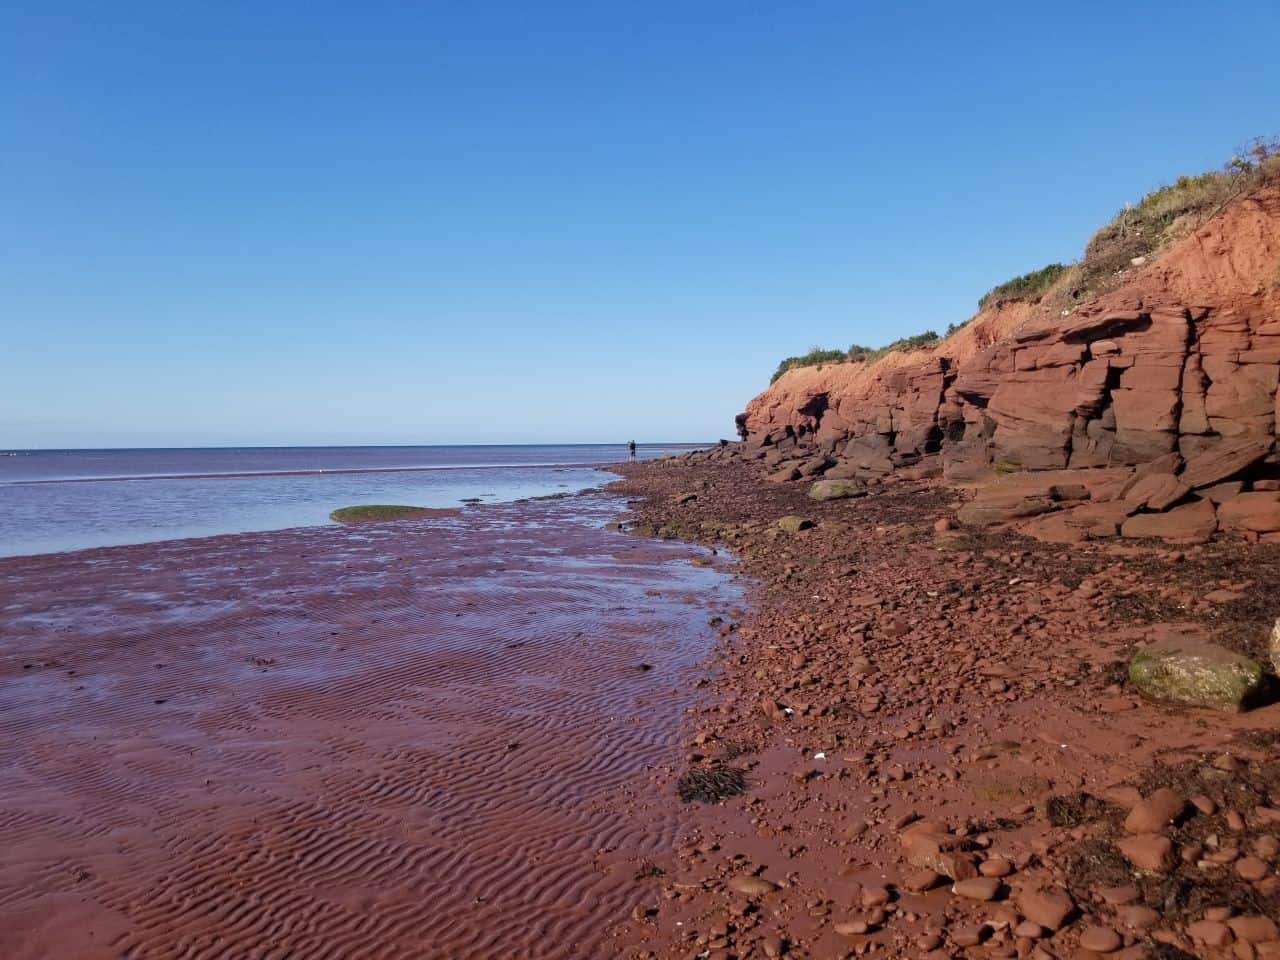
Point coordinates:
[(374, 512), (857, 353)]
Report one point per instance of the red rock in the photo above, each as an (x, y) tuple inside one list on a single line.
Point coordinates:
[(1221, 492), (1192, 523), (977, 888), (1049, 908), (937, 851), (922, 880), (993, 510), (1137, 917), (1100, 939), (995, 867), (783, 475), (852, 928), (1258, 512), (1254, 929), (1155, 812), (1210, 932), (969, 935), (1119, 896), (1156, 491), (1224, 461), (875, 896), (1148, 851), (751, 886), (1251, 868)]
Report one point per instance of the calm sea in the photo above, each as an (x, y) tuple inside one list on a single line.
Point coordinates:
[(55, 500)]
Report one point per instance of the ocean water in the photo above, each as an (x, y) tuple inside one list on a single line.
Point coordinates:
[(58, 500)]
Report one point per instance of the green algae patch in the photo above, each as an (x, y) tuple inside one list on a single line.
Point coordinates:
[(379, 512), (836, 490), (1197, 674)]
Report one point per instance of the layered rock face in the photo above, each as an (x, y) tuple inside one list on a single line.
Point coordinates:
[(1174, 374)]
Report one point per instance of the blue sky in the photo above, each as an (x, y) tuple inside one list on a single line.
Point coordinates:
[(266, 222)]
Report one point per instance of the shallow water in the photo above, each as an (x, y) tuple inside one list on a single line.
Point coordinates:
[(58, 500)]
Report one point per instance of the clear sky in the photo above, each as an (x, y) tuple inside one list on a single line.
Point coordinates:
[(269, 222)]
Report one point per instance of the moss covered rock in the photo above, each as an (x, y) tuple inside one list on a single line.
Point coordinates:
[(1195, 673), (794, 524), (837, 490)]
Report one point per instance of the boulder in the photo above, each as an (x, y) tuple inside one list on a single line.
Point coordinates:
[(1069, 491), (989, 511), (1222, 492), (829, 489), (1224, 461), (815, 466), (1195, 673), (844, 470), (1274, 647), (1156, 491), (783, 475), (1191, 523), (1255, 512)]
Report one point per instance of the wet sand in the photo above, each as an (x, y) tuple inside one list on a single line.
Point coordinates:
[(418, 739)]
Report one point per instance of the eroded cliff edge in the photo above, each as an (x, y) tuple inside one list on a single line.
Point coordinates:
[(1169, 378)]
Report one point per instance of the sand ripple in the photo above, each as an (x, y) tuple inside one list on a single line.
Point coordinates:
[(402, 741)]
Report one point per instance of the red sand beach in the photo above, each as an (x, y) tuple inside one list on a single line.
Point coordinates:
[(400, 740)]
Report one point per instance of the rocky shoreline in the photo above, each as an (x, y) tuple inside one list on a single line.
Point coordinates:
[(943, 744)]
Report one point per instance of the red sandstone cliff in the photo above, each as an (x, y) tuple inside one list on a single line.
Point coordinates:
[(1174, 368)]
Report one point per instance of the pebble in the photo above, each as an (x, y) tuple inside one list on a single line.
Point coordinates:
[(922, 880), (1210, 932), (1254, 929), (1049, 908), (995, 867), (1204, 804), (968, 935), (929, 941), (752, 886), (875, 896), (1100, 939), (1251, 869), (1119, 896), (977, 888), (852, 928), (1137, 917)]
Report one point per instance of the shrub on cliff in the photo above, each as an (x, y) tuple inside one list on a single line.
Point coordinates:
[(1030, 286), (928, 338), (815, 356)]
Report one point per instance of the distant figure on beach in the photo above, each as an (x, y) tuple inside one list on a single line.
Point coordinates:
[(632, 448)]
